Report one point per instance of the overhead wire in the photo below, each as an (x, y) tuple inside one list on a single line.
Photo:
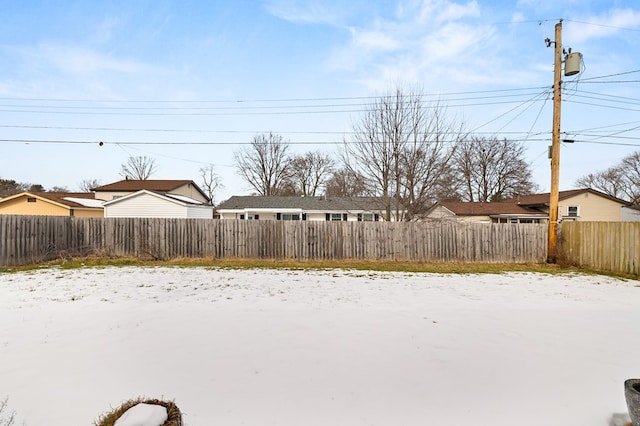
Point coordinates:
[(244, 107), (273, 100)]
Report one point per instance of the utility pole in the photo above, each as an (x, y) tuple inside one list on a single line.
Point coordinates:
[(571, 67), (552, 249)]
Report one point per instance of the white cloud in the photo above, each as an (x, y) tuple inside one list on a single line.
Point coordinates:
[(455, 11), (312, 12), (438, 11), (424, 40), (374, 40), (601, 26), (547, 5), (79, 60), (45, 70)]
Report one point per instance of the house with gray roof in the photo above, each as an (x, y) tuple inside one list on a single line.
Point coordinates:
[(302, 208)]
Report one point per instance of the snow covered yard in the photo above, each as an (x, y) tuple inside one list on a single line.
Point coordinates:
[(280, 347)]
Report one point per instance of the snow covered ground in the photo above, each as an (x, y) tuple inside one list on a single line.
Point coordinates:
[(267, 347)]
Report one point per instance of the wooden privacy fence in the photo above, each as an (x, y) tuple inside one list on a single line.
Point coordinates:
[(603, 246), (33, 239)]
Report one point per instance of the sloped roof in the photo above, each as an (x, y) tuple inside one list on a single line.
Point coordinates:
[(68, 199), (157, 185), (71, 199), (184, 201), (488, 209), (131, 185), (303, 203), (543, 199)]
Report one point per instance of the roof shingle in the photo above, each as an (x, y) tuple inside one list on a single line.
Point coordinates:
[(303, 203)]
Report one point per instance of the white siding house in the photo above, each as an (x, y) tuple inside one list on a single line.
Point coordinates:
[(302, 208), (631, 213), (152, 204)]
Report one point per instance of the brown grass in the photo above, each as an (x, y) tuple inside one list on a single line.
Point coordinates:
[(294, 264), (174, 415)]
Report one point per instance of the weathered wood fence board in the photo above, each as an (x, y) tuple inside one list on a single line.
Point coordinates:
[(33, 239), (605, 246)]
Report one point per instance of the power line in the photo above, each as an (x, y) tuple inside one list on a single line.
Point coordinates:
[(610, 126), (609, 75), (627, 101), (274, 100), (539, 95), (211, 143), (102, 143), (165, 130), (596, 24), (606, 95), (603, 106), (238, 113), (608, 143)]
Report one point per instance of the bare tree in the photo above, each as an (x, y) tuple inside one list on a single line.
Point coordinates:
[(11, 187), (58, 189), (264, 164), (631, 168), (140, 167), (401, 148), (426, 173), (210, 182), (492, 170), (87, 185), (33, 187), (620, 181), (7, 418), (310, 171), (345, 183), (610, 181)]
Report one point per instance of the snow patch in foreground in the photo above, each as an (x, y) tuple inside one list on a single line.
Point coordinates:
[(143, 415)]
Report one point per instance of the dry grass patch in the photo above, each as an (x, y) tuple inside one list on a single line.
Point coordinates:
[(174, 414), (356, 264)]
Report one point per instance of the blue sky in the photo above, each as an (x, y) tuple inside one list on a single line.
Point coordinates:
[(189, 82)]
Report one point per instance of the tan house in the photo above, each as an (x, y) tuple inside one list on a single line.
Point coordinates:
[(184, 188), (77, 204), (579, 204)]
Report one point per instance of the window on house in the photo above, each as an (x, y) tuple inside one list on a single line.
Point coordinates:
[(241, 217), (256, 216), (572, 211), (290, 216), (31, 199), (336, 217)]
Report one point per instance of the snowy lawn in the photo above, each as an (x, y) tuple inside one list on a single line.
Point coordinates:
[(279, 347)]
